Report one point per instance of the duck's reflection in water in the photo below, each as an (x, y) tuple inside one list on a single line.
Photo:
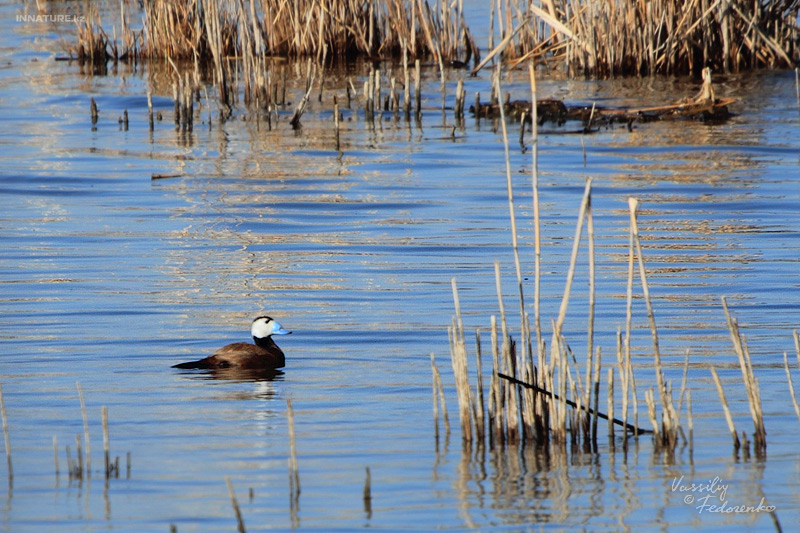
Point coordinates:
[(239, 374)]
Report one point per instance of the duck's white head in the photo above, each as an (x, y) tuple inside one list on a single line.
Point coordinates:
[(264, 326)]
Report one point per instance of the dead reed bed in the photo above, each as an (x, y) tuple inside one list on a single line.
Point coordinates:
[(205, 30), (625, 37)]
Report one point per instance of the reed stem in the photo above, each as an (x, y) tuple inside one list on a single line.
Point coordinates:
[(106, 454), (725, 410), (236, 510), (750, 382), (85, 431), (667, 412), (368, 493), (458, 358), (791, 386), (55, 456), (6, 439), (294, 476), (512, 214)]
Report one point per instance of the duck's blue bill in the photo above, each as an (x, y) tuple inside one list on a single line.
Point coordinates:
[(277, 329)]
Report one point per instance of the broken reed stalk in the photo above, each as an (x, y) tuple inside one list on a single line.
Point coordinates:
[(417, 90), (458, 109), (480, 412), (537, 234), (79, 453), (496, 392), (294, 476), (368, 493), (669, 418), (510, 404), (458, 358), (85, 431), (301, 107), (150, 109), (797, 88), (94, 111), (406, 84), (590, 326), (725, 410), (791, 386), (750, 382), (610, 401), (513, 218), (623, 365), (6, 439), (55, 456), (689, 419), (336, 122), (236, 510), (597, 368), (651, 414), (789, 374), (106, 451), (562, 311), (438, 395)]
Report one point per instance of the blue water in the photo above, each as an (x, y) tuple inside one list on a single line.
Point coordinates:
[(108, 278)]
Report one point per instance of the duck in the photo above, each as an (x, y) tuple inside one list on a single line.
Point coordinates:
[(264, 354)]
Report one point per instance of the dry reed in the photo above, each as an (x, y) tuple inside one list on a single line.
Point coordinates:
[(294, 476), (86, 441), (458, 351), (750, 382), (789, 374), (726, 411), (367, 497), (203, 30), (670, 423), (236, 510), (55, 457), (6, 439), (438, 397), (629, 37), (112, 469)]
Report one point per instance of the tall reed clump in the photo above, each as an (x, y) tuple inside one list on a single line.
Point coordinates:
[(203, 30), (623, 37), (545, 395), (751, 387)]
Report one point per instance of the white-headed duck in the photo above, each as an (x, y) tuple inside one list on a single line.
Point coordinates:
[(264, 354)]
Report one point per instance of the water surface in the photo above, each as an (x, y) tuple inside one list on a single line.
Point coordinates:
[(109, 277)]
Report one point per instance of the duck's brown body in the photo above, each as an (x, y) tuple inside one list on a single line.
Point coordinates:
[(264, 354)]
